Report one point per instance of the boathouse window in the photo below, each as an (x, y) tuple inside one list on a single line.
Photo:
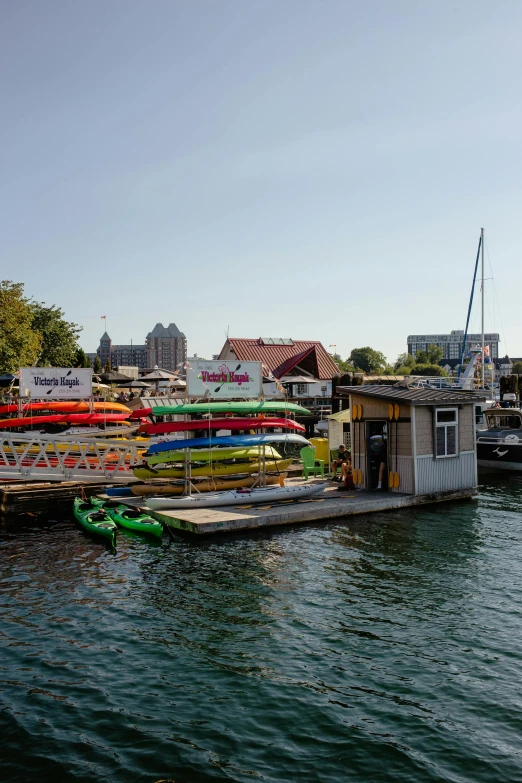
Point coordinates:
[(446, 423), (302, 388)]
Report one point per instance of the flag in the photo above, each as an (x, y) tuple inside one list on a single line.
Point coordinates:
[(103, 316)]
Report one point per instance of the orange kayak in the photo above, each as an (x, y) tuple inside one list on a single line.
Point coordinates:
[(64, 418)]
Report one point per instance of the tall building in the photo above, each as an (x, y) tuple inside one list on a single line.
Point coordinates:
[(166, 347), (451, 344), (121, 355)]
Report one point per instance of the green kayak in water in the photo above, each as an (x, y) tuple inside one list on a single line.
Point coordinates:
[(94, 520), (130, 518)]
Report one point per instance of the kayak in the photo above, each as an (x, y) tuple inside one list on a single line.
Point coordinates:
[(213, 469), (129, 518), (65, 407), (229, 440), (94, 520), (212, 455), (252, 423), (228, 407), (210, 485), (237, 497), (64, 418)]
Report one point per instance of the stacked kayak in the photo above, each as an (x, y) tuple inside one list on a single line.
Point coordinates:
[(213, 469), (229, 407), (238, 441), (130, 518), (235, 497), (203, 485), (94, 520), (244, 423), (67, 406), (62, 418)]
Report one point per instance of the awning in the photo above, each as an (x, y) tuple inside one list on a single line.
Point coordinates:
[(343, 416)]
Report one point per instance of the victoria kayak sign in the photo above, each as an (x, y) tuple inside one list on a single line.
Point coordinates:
[(55, 383), (220, 379)]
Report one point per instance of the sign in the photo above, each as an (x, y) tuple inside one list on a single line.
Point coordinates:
[(224, 380), (55, 383)]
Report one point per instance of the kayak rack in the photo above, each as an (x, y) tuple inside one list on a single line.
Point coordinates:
[(67, 458)]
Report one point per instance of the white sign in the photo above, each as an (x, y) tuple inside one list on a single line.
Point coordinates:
[(228, 380), (55, 383)]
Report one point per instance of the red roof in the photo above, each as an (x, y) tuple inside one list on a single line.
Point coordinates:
[(280, 359)]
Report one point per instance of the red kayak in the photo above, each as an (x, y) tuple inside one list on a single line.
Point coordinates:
[(221, 424), (70, 418), (141, 413), (65, 407)]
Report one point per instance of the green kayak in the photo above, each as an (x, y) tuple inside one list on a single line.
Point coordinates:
[(94, 520), (130, 518), (208, 455), (228, 407)]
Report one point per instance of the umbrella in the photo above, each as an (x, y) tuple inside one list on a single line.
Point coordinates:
[(6, 379), (158, 375), (134, 385), (114, 377)]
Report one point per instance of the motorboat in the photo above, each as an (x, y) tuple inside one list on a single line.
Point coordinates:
[(499, 446)]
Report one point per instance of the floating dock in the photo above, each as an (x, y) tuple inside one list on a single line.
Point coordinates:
[(330, 505)]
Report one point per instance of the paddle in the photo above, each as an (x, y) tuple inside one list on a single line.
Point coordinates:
[(52, 387), (218, 388)]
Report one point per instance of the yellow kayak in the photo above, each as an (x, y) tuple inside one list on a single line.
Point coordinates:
[(214, 455), (213, 485), (214, 469)]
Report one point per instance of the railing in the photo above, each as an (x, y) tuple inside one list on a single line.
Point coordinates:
[(51, 458)]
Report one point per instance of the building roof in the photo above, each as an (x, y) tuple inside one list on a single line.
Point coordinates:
[(414, 396), (105, 336), (280, 359), (161, 331)]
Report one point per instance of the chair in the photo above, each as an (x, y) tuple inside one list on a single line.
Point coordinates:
[(310, 463)]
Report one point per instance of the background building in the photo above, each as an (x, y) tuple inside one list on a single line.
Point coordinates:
[(166, 347), (451, 344)]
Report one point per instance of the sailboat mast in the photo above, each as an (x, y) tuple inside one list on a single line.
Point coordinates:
[(482, 269)]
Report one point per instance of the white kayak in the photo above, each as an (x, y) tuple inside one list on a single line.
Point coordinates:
[(236, 497)]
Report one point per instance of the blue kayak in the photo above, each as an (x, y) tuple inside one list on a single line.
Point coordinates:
[(230, 440)]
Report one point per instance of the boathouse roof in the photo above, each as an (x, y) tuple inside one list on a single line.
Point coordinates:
[(282, 355), (414, 396)]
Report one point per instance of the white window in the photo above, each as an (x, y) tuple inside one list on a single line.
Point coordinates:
[(302, 388), (446, 432)]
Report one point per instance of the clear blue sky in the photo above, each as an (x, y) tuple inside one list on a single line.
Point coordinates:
[(315, 170)]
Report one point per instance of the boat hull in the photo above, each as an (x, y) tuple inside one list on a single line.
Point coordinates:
[(130, 519), (87, 515), (213, 485), (234, 441), (253, 423)]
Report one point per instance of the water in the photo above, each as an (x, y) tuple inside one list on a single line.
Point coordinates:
[(387, 648)]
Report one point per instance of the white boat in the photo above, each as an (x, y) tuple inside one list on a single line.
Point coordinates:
[(236, 497)]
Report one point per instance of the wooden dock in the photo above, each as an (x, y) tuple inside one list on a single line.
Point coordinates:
[(20, 497), (331, 505)]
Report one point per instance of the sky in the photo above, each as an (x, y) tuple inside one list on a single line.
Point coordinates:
[(275, 168)]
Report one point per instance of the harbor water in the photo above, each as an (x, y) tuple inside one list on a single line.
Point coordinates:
[(383, 648)]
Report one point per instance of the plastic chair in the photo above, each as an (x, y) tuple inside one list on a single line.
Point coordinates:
[(310, 463)]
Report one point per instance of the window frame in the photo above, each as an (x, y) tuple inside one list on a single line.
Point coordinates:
[(445, 425)]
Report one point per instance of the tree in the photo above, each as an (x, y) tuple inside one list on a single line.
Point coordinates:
[(429, 369), (97, 365), (343, 364), (517, 368), (108, 367), (19, 342), (59, 337), (367, 359), (432, 355), (404, 360), (80, 359)]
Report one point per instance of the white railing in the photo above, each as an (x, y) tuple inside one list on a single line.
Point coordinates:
[(54, 458)]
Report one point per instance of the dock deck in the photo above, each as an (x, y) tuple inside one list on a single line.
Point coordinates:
[(331, 505)]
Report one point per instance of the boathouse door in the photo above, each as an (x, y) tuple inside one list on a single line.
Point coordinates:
[(377, 453)]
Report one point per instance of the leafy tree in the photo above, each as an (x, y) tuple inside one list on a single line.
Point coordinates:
[(80, 359), (19, 341), (97, 365), (59, 337), (517, 368), (404, 370), (432, 355), (404, 360), (429, 369), (343, 364), (108, 367), (368, 360)]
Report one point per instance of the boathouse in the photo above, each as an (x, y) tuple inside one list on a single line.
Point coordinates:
[(415, 440)]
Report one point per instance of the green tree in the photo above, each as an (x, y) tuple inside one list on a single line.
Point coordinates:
[(517, 368), (344, 365), (19, 341), (59, 337), (80, 359), (429, 369), (108, 367), (432, 355), (367, 359), (404, 360), (97, 365)]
